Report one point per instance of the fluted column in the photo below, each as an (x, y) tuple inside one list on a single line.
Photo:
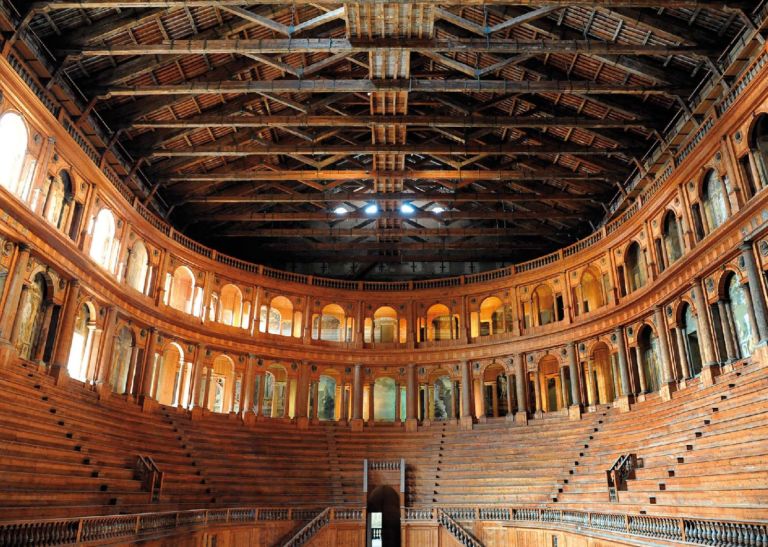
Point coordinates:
[(208, 379), (149, 361), (623, 367), (246, 395), (14, 293), (510, 410), (67, 329), (726, 329), (466, 394), (755, 291), (357, 393), (705, 331), (573, 369), (666, 361), (684, 368), (520, 381)]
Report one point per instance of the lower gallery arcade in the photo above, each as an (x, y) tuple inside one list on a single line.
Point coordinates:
[(157, 390)]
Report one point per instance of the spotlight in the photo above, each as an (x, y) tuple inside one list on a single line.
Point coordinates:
[(371, 209), (340, 210), (437, 209), (407, 208)]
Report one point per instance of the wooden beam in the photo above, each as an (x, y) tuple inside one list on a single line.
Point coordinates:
[(378, 86), (223, 150), (395, 232), (443, 198), (259, 121), (322, 216), (354, 46), (354, 175), (52, 5)]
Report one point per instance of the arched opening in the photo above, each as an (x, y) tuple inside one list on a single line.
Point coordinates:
[(31, 314), (489, 319), (122, 353), (223, 395), (103, 243), (600, 382), (275, 392), (635, 267), (384, 399), (590, 292), (15, 166), (439, 323), (714, 201), (442, 398), (648, 349), (495, 391), (82, 343), (383, 510), (58, 199), (384, 326), (543, 302), (330, 325), (231, 305), (689, 331), (326, 398), (672, 237), (552, 386), (182, 290), (169, 375), (137, 267), (279, 318), (737, 308), (758, 144)]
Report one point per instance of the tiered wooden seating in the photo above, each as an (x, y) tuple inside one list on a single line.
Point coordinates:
[(266, 464), (65, 450), (704, 453)]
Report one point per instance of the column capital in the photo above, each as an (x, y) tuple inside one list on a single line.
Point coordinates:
[(74, 282), (746, 244)]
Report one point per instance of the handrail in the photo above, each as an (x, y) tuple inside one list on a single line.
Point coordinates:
[(622, 470), (310, 529), (151, 477), (457, 530)]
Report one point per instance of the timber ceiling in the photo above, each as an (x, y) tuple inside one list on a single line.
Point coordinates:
[(507, 126)]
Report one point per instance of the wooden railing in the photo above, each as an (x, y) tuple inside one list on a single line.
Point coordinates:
[(692, 531), (151, 477), (622, 470), (310, 529), (70, 531), (457, 530)]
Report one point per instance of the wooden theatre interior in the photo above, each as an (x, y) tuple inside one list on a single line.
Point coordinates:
[(422, 273)]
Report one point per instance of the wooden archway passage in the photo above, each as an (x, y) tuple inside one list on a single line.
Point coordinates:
[(383, 501)]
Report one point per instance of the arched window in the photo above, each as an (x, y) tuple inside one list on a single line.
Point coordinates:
[(490, 319), (103, 243), (672, 237), (600, 375), (689, 329), (738, 310), (82, 344), (635, 267), (384, 326), (137, 268), (648, 348), (590, 292), (495, 391), (543, 302), (554, 393), (439, 323), (58, 199), (714, 201), (442, 399), (221, 397), (121, 361), (31, 314), (182, 290), (275, 399), (231, 305), (15, 167)]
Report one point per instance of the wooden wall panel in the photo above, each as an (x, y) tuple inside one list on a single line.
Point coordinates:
[(420, 536)]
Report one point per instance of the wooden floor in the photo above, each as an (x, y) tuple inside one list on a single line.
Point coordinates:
[(63, 452)]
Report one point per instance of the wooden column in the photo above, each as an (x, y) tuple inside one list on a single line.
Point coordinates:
[(640, 370), (371, 403), (520, 381), (260, 395), (130, 382), (466, 394), (622, 361), (705, 331), (755, 290), (208, 379), (107, 343), (149, 360), (754, 334), (357, 393), (67, 330), (13, 298), (398, 397), (316, 399), (510, 410), (563, 387), (42, 338), (727, 330), (663, 335), (537, 391), (684, 368), (573, 369), (246, 395)]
